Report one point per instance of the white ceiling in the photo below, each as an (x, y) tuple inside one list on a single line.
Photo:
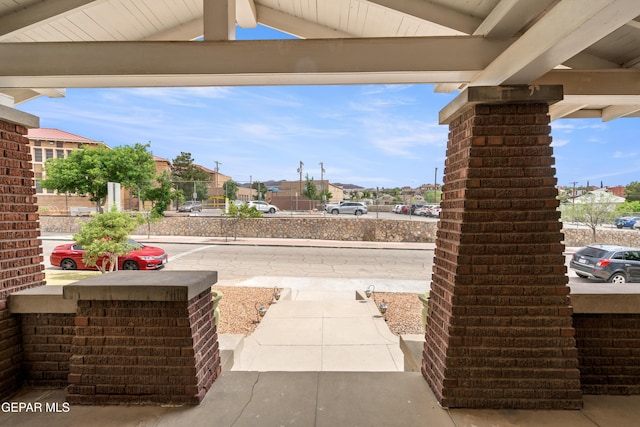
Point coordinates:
[(591, 47)]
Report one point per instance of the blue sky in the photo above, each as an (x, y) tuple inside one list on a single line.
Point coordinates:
[(370, 135)]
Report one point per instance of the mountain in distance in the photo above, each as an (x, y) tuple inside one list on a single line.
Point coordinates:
[(348, 186)]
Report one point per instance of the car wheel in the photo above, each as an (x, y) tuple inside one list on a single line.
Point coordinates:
[(68, 264), (130, 265), (619, 226), (358, 213), (272, 211), (618, 278), (335, 212), (584, 276)]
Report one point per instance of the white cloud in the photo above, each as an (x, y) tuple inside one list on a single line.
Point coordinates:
[(559, 142)]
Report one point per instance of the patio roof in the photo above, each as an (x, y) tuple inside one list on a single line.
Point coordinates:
[(592, 48)]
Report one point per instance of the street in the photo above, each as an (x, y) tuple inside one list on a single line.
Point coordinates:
[(388, 269)]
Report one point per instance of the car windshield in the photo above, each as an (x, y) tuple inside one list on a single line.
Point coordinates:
[(592, 252), (134, 245)]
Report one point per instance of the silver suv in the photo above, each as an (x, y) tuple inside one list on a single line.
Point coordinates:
[(192, 206), (355, 208), (614, 264), (261, 206)]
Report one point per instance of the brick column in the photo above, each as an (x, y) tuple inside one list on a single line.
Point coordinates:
[(143, 338), (499, 332), (20, 253)]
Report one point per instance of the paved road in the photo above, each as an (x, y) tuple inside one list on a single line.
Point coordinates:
[(388, 269)]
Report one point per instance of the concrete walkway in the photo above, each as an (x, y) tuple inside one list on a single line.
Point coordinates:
[(321, 331)]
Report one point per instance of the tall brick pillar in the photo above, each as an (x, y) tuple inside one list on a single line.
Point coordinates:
[(499, 332), (20, 253)]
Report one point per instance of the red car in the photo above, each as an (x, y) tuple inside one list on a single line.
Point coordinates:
[(69, 257)]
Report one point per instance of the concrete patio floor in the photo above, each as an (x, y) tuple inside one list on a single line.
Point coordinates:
[(321, 359)]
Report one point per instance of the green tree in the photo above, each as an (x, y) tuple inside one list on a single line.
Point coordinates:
[(230, 189), (105, 238), (310, 190), (592, 209), (628, 208), (237, 213), (261, 189), (87, 172), (188, 177), (160, 196), (632, 191), (327, 195)]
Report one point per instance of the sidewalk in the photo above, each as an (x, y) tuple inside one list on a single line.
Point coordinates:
[(257, 241)]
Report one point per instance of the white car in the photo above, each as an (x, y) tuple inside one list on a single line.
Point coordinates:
[(262, 206)]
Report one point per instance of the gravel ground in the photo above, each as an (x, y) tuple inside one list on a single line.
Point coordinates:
[(238, 313)]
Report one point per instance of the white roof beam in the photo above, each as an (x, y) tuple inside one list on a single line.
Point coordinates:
[(587, 61), (432, 12), (567, 29), (326, 61), (219, 20), (509, 17), (447, 87), (296, 26), (617, 111), (616, 82), (563, 109), (38, 13), (246, 15)]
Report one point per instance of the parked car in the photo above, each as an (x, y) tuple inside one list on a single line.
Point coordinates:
[(421, 211), (611, 263), (191, 206), (412, 208), (424, 210), (626, 221), (434, 211), (262, 206), (356, 208), (397, 208), (141, 257)]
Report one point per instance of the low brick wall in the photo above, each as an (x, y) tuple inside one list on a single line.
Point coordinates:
[(46, 345), (608, 353)]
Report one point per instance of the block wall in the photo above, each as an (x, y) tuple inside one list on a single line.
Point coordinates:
[(20, 248), (46, 342), (499, 331), (143, 352), (609, 353)]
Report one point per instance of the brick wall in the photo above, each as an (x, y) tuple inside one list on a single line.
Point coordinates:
[(609, 353), (20, 252), (46, 339), (143, 352), (499, 331)]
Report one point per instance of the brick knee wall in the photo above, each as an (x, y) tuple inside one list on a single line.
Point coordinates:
[(143, 352), (608, 353), (499, 331), (46, 342), (20, 253)]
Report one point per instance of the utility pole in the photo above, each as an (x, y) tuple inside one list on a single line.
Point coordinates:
[(300, 171), (322, 171), (217, 169)]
